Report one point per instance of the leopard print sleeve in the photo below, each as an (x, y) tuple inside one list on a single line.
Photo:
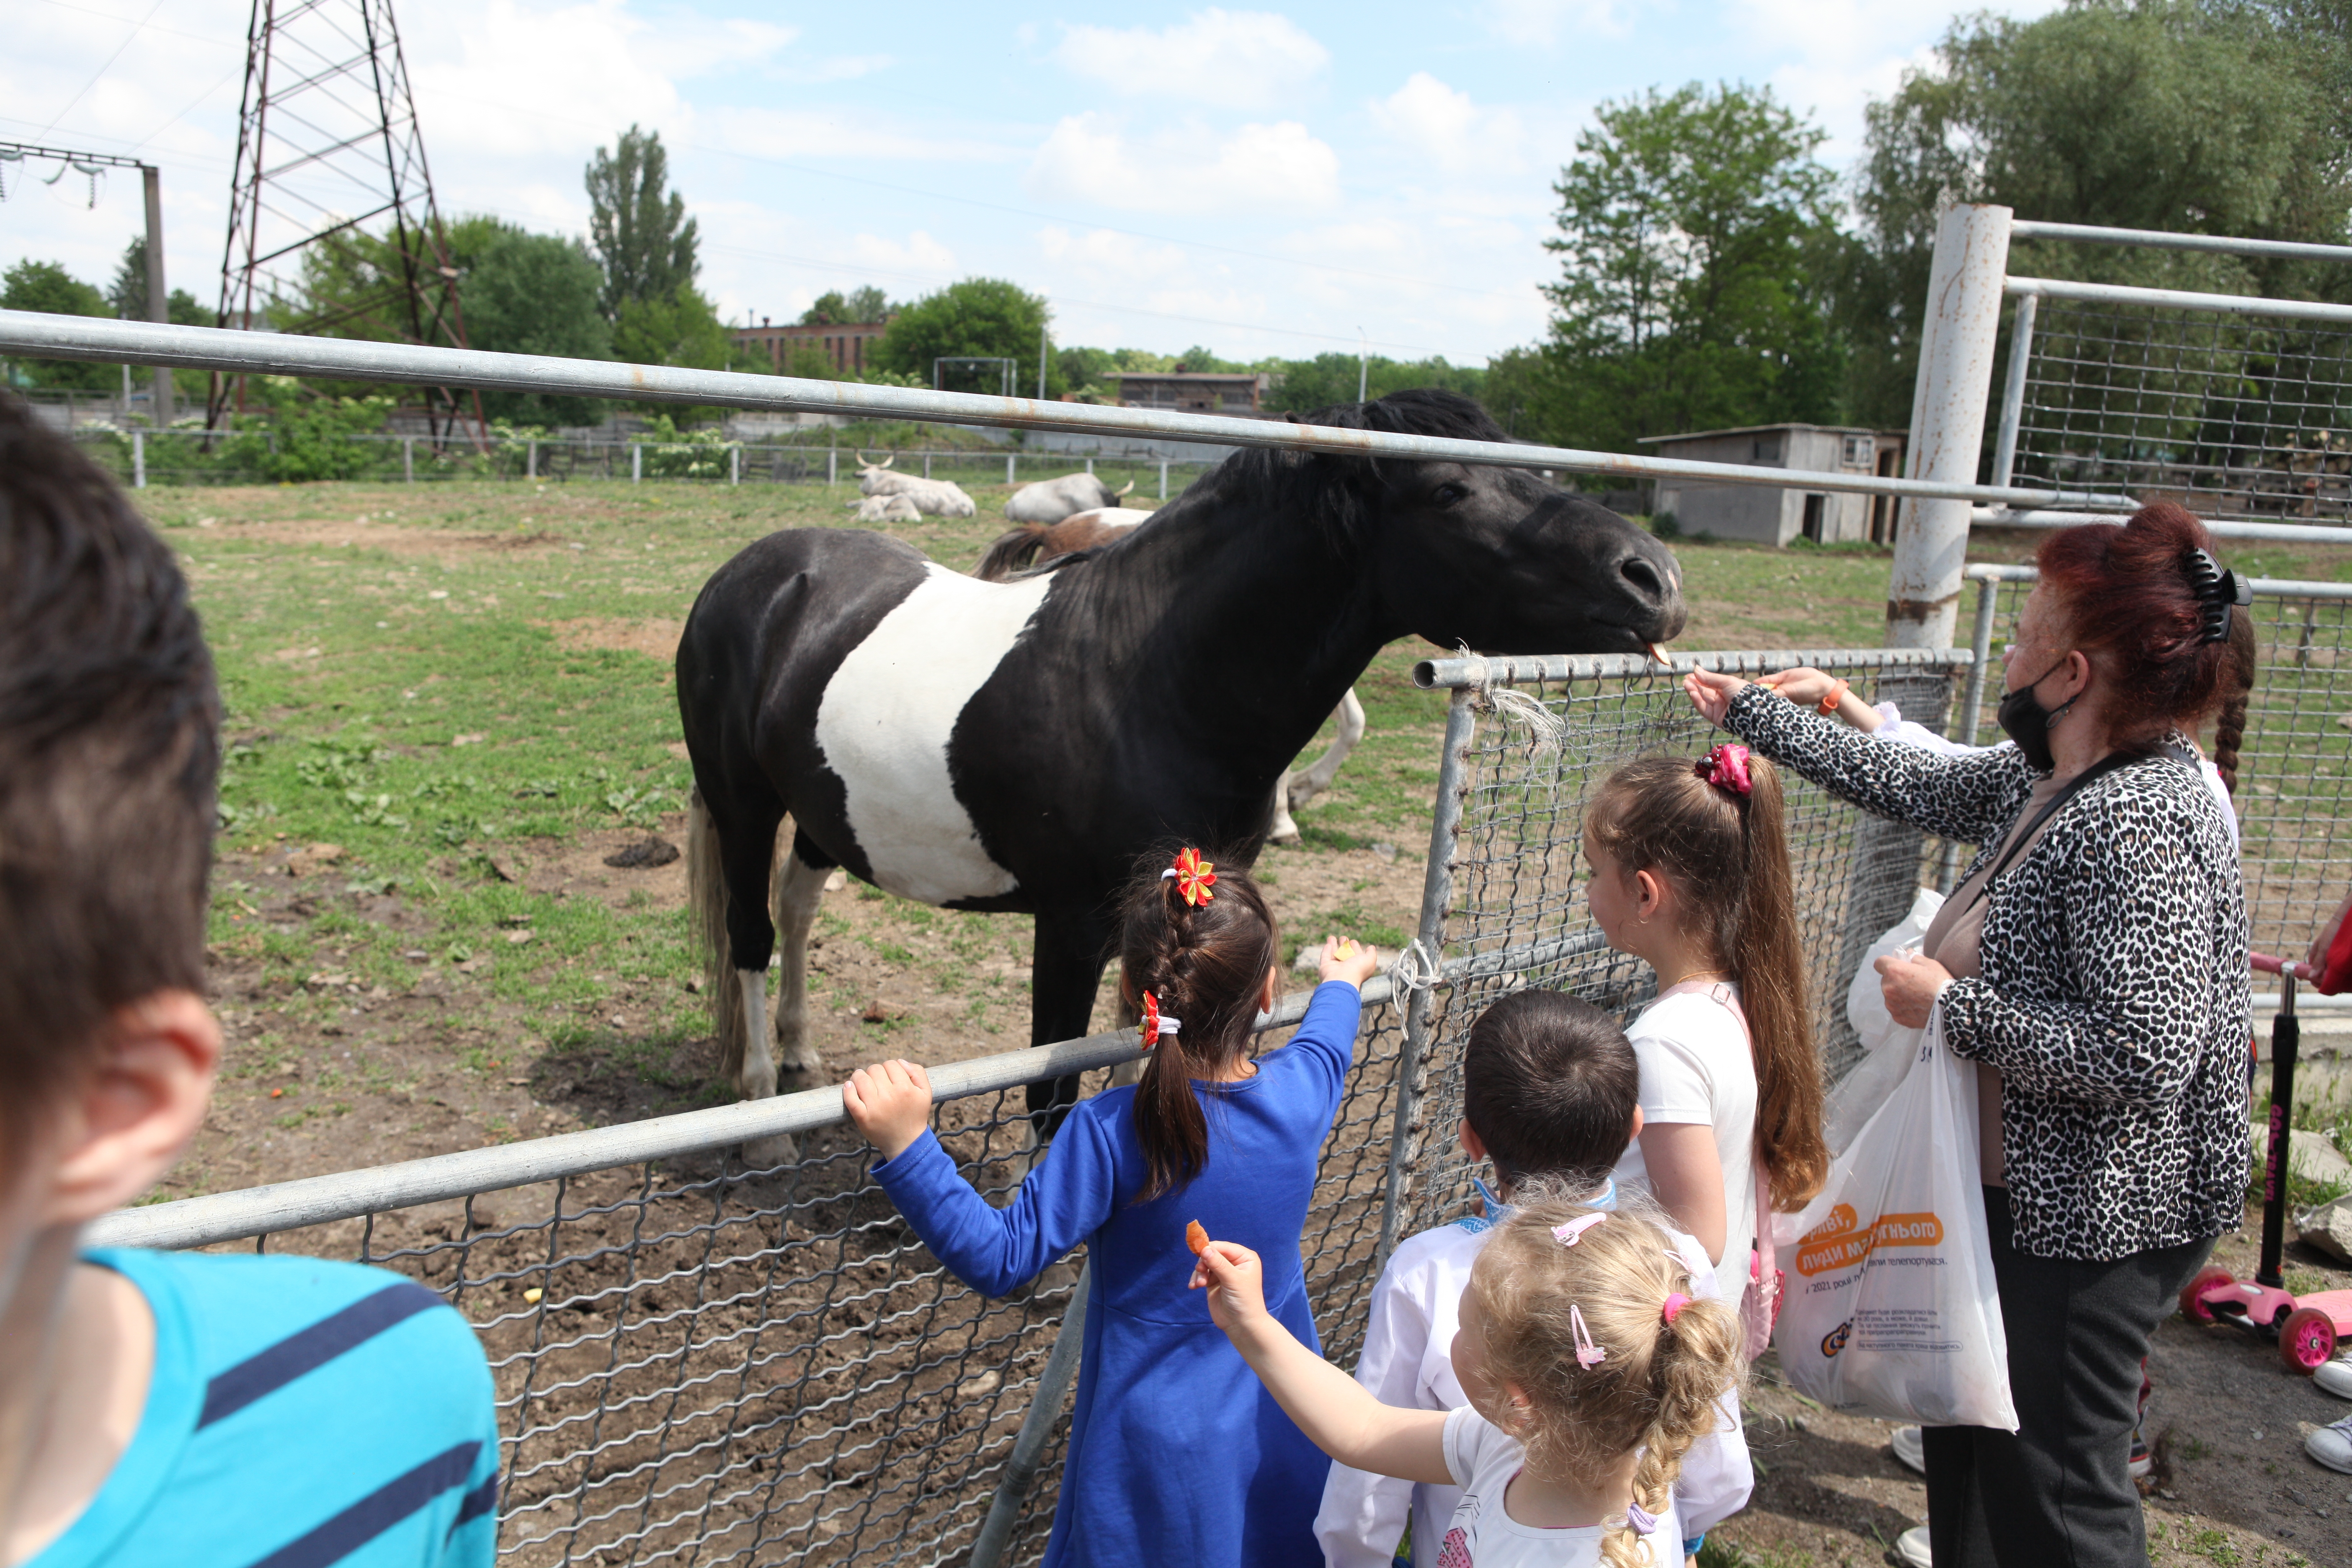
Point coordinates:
[(1972, 797), (2131, 1001)]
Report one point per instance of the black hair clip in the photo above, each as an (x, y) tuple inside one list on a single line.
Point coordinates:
[(2216, 591)]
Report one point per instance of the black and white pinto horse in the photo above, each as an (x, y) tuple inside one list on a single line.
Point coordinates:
[(1019, 746)]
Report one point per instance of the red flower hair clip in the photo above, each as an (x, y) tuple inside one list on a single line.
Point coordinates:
[(1725, 768), (1194, 877), (1154, 1024)]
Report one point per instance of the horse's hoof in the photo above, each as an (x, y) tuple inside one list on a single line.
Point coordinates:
[(764, 1153), (1283, 836), (761, 1085)]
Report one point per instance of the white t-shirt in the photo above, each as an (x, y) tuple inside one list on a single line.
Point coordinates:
[(1484, 1457), (1407, 1361), (1696, 1067)]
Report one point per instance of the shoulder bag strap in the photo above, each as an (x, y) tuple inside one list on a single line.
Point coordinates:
[(2023, 834)]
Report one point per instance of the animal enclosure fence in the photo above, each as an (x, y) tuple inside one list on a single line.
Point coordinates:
[(701, 1363)]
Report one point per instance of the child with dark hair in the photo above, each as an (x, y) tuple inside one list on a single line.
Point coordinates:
[(1550, 1097), (163, 1408), (1177, 1456)]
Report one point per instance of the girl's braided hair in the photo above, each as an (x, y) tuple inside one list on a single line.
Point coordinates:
[(1655, 1387), (1204, 965)]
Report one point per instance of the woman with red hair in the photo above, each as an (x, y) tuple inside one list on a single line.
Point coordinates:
[(2093, 967)]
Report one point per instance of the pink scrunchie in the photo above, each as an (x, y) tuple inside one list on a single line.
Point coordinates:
[(1725, 768)]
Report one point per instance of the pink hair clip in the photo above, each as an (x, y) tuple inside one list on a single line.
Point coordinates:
[(1675, 1304), (1588, 1355), (1725, 768), (1570, 1232)]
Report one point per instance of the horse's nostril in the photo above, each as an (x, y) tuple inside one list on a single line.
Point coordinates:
[(1644, 578)]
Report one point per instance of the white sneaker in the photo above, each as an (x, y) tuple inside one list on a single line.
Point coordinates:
[(2334, 1376), (1911, 1547), (2332, 1446), (1910, 1450)]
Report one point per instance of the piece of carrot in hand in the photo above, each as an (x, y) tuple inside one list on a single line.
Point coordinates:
[(1195, 1237)]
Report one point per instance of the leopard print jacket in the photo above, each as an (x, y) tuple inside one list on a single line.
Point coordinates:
[(2113, 997)]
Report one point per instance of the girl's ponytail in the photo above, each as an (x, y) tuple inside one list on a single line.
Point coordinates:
[(1770, 967), (1198, 943), (1717, 831)]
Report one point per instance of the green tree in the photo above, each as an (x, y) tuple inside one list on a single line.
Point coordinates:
[(979, 316), (528, 293), (1327, 379), (128, 292), (1693, 227), (2220, 118), (680, 328), (46, 286), (637, 226), (858, 308)]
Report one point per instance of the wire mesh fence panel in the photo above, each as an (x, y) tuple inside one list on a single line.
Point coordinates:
[(701, 1363), (1518, 916), (2236, 416), (2292, 761)]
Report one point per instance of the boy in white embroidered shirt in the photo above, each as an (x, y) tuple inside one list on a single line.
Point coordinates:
[(1549, 1093)]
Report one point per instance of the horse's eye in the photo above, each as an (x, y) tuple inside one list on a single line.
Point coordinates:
[(1447, 494)]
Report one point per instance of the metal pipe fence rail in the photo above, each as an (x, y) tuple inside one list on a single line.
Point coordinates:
[(39, 335), (2294, 767)]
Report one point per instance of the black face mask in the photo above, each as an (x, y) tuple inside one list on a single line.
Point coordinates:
[(2024, 720)]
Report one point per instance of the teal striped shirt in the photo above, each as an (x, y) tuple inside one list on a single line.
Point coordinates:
[(302, 1414)]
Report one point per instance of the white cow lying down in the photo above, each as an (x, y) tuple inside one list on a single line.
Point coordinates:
[(1052, 500), (934, 497)]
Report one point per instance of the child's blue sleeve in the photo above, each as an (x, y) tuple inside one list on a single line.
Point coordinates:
[(1061, 1202), (1327, 1035)]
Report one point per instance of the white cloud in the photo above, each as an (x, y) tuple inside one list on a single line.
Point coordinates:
[(1186, 168), (1445, 126), (1544, 21), (840, 133), (1222, 59), (918, 252)]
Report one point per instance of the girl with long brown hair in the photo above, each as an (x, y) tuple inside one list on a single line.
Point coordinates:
[(1176, 1455), (1689, 872)]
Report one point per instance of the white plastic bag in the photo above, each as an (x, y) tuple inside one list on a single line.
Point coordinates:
[(1887, 1045), (1890, 1308)]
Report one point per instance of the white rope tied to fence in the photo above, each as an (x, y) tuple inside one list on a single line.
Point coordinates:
[(1414, 970), (1547, 729)]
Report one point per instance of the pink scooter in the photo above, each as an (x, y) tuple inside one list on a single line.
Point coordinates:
[(2307, 1328)]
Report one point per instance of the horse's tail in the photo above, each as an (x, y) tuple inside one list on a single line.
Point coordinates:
[(706, 893), (1012, 552)]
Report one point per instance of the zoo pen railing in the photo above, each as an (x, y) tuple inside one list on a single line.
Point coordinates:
[(701, 1363)]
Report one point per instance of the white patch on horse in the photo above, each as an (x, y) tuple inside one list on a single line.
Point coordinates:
[(885, 721)]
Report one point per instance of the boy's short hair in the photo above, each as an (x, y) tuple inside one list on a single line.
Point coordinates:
[(109, 754), (1550, 1083)]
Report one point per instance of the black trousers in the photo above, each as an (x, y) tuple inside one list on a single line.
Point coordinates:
[(2058, 1493)]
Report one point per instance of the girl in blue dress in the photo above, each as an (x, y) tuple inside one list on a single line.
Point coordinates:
[(1177, 1454)]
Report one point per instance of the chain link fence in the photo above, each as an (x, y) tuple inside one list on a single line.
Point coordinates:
[(2237, 416)]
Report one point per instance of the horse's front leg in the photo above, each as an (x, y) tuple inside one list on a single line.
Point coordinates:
[(1302, 787), (799, 893), (1065, 969)]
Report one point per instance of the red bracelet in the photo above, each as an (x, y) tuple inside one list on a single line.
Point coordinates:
[(1836, 696)]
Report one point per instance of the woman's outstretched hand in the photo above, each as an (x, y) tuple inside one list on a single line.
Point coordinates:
[(891, 1104), (1235, 1281), (1711, 693), (1345, 958), (1911, 984)]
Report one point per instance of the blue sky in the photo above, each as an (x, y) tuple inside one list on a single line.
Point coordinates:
[(1275, 181)]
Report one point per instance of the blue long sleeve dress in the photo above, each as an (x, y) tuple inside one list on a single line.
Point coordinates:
[(1177, 1455)]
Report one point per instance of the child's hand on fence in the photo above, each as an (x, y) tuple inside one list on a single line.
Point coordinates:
[(1235, 1281), (891, 1104), (1711, 693), (1345, 958)]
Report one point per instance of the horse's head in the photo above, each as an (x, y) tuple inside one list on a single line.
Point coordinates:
[(1495, 558)]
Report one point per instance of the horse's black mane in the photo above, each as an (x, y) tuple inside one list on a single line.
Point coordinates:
[(1333, 492)]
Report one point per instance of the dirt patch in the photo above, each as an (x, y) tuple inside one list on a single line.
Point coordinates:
[(656, 636)]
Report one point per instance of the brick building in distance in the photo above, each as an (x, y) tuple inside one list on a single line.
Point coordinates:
[(1192, 392), (847, 344)]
